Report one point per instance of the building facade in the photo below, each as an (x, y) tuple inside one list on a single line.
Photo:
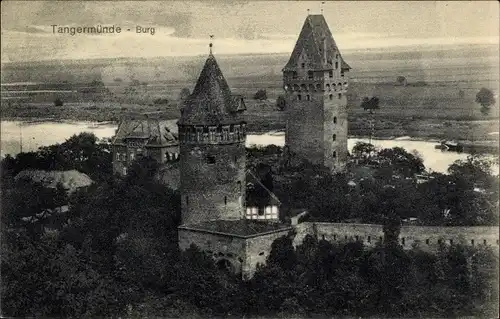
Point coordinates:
[(144, 136), (315, 81)]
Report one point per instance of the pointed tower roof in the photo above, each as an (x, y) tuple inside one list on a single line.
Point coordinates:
[(314, 37), (211, 102)]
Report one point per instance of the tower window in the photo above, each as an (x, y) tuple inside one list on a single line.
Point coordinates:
[(210, 159), (330, 74), (340, 95), (303, 65), (331, 96), (334, 137), (310, 75), (334, 120), (299, 97), (334, 155), (225, 200)]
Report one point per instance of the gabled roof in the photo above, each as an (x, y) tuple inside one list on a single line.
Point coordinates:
[(314, 37), (211, 102), (259, 188), (70, 180), (157, 132)]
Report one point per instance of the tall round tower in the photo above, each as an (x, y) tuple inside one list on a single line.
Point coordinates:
[(212, 134)]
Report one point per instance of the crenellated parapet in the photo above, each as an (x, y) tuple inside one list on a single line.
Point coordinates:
[(212, 134)]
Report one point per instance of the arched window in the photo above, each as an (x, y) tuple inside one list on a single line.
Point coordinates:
[(334, 137), (340, 86), (334, 120), (334, 155)]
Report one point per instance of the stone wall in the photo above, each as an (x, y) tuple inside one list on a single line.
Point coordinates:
[(425, 237), (212, 182)]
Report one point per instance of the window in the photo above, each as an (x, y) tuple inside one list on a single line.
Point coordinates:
[(403, 241), (357, 238), (225, 200), (299, 97), (124, 171), (334, 120), (310, 75), (439, 241), (334, 137), (345, 237), (369, 239), (187, 200), (472, 242), (330, 74), (210, 159), (323, 237), (342, 73), (336, 65), (308, 97), (484, 242), (331, 97), (340, 96), (132, 156), (336, 56), (328, 88), (261, 253), (294, 75), (117, 156), (334, 155), (303, 65), (335, 237)]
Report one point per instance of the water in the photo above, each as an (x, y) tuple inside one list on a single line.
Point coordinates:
[(36, 134)]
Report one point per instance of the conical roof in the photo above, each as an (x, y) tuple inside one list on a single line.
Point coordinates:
[(314, 37), (211, 102)]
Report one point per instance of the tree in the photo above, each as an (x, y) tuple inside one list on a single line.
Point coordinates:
[(485, 98), (58, 102), (184, 94), (260, 95), (401, 80), (370, 104), (281, 103), (400, 161), (363, 150)]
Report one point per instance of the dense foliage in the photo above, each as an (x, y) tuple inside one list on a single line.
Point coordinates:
[(114, 252)]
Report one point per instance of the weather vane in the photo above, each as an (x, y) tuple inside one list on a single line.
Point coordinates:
[(211, 44)]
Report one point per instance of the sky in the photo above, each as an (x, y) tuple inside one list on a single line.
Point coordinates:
[(183, 27)]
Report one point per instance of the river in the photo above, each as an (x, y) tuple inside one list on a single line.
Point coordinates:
[(36, 134)]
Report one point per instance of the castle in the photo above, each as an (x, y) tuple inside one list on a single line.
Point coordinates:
[(315, 83), (222, 213)]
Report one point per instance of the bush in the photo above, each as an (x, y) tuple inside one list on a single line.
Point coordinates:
[(58, 102), (260, 95)]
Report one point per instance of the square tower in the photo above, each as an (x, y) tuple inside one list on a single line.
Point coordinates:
[(315, 82)]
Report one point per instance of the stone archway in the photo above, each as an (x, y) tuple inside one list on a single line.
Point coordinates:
[(227, 265)]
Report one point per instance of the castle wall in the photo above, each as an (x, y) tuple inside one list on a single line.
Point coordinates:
[(258, 249), (425, 237), (212, 181)]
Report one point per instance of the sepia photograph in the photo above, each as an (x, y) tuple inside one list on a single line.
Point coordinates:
[(249, 159)]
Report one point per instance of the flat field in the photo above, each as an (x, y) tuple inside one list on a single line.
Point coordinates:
[(438, 102)]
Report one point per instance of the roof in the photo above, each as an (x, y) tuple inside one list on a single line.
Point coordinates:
[(243, 228), (314, 36), (211, 102), (259, 193), (70, 180), (157, 132)]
